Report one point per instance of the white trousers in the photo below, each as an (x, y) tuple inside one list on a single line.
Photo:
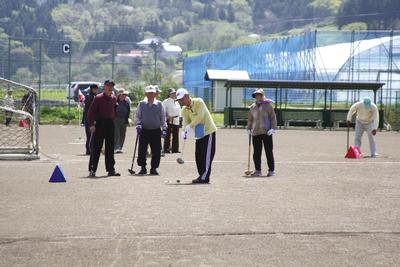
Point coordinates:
[(360, 129)]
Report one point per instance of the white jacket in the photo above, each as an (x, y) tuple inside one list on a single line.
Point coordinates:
[(173, 110), (8, 101), (364, 115)]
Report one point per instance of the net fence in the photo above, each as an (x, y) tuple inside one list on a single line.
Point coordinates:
[(18, 121), (366, 56), (51, 67)]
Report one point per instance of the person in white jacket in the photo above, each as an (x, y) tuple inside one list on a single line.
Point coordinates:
[(367, 120), (173, 111)]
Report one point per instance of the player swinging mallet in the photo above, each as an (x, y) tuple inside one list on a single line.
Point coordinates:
[(196, 116)]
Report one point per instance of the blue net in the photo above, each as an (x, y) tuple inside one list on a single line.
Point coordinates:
[(329, 56)]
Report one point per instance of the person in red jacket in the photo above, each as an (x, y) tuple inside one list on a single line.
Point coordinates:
[(101, 117)]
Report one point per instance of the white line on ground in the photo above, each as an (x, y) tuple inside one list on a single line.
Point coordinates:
[(277, 162)]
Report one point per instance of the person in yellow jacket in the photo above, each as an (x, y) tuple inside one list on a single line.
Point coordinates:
[(367, 120), (196, 117)]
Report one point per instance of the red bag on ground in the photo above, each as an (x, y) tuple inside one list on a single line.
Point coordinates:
[(354, 152), (24, 123)]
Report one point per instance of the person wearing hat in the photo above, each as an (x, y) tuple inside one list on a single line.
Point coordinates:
[(121, 120), (196, 117), (9, 103), (261, 125), (101, 117), (150, 126), (172, 110), (93, 91), (367, 120)]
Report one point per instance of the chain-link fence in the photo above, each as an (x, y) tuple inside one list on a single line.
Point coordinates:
[(51, 66)]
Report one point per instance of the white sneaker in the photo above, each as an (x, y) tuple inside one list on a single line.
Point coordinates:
[(256, 174), (271, 173), (374, 155)]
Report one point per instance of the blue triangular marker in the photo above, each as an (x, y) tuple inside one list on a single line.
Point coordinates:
[(57, 176)]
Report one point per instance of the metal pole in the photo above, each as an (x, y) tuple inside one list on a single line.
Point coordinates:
[(183, 72), (40, 76), (112, 60), (155, 63), (230, 98), (390, 70), (69, 82), (314, 67), (226, 96), (9, 59)]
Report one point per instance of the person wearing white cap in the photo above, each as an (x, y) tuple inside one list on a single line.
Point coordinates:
[(150, 126), (261, 125), (173, 111), (196, 116), (367, 120)]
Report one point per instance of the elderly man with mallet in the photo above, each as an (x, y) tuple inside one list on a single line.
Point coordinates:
[(367, 120), (150, 126), (196, 117)]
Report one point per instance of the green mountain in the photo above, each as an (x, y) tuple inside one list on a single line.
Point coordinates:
[(193, 24)]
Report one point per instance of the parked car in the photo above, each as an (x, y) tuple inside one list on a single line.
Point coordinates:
[(75, 89), (79, 90)]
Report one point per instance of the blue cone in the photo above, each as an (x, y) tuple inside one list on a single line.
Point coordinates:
[(57, 176)]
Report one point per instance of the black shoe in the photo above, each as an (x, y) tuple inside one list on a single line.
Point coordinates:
[(92, 174), (113, 173), (199, 181), (153, 172), (143, 171)]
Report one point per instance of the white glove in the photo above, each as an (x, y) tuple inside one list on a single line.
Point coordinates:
[(270, 132), (186, 131), (248, 131)]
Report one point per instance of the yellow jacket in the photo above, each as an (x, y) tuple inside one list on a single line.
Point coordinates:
[(196, 114)]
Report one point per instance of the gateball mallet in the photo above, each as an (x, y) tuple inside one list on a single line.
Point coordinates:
[(131, 171), (248, 172), (180, 159)]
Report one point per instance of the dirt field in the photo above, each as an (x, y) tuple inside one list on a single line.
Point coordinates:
[(320, 210)]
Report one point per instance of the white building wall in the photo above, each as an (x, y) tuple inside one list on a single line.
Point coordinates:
[(220, 96)]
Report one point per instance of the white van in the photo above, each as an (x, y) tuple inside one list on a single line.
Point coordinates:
[(74, 87)]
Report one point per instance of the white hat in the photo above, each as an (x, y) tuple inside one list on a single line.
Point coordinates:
[(181, 93), (150, 89), (122, 91), (257, 91)]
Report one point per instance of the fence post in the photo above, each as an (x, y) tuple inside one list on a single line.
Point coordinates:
[(389, 75), (69, 81), (40, 75), (314, 66), (9, 59), (113, 61)]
